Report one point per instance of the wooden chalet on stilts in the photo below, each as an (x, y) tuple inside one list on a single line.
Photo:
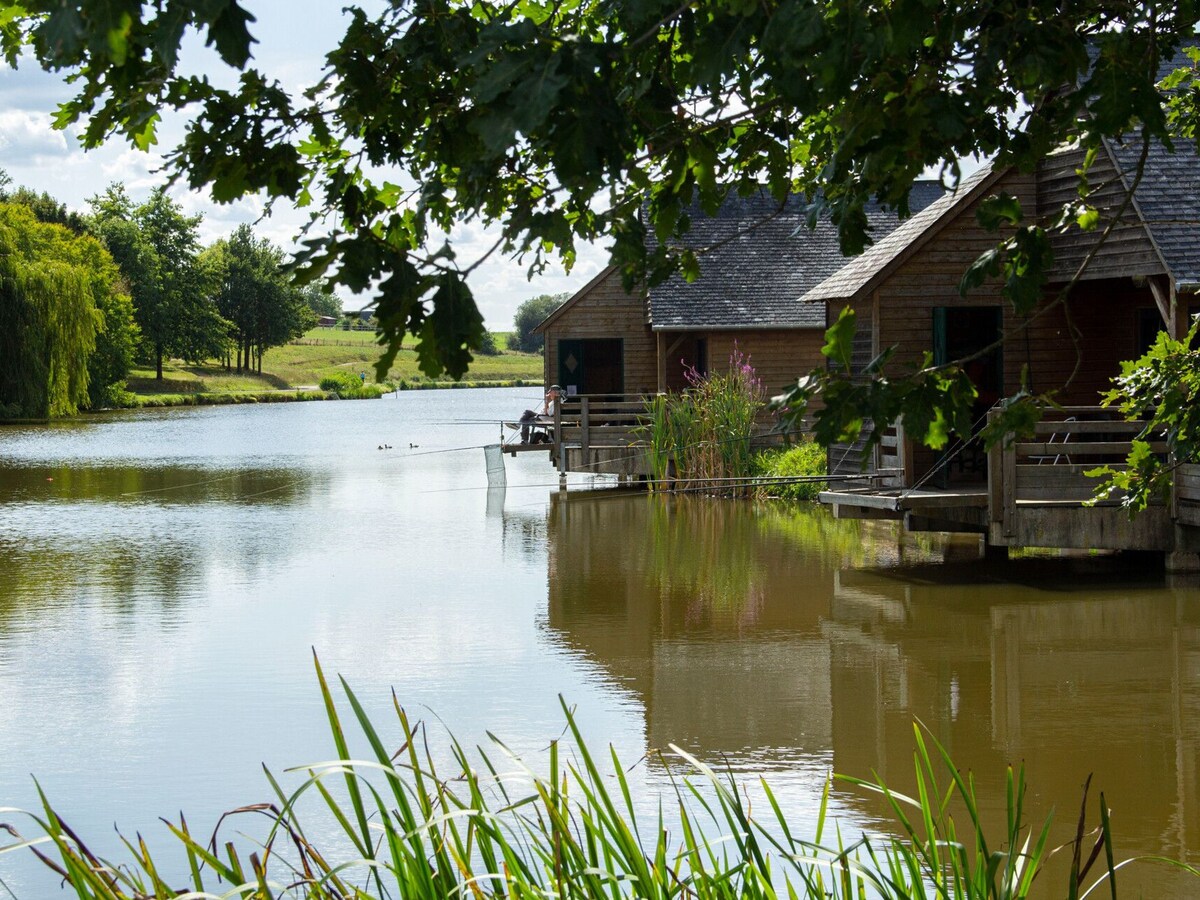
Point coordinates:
[(1144, 278), (611, 349)]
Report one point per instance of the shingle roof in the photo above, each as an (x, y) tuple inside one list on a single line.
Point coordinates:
[(1168, 199), (862, 272), (767, 260)]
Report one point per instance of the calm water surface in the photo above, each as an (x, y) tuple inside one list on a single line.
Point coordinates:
[(166, 576)]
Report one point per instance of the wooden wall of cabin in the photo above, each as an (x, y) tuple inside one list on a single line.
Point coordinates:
[(850, 457), (607, 310), (1113, 318), (1105, 311), (779, 356), (1128, 249), (929, 279)]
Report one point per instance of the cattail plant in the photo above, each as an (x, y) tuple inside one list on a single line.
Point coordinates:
[(705, 431)]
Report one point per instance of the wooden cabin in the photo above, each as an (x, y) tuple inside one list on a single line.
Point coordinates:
[(757, 256), (1142, 279)]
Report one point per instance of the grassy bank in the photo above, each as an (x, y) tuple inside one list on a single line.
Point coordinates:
[(324, 351), (494, 828), (294, 371)]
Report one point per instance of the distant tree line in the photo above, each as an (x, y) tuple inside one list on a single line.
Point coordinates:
[(86, 296)]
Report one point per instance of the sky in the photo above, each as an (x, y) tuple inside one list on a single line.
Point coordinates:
[(294, 36)]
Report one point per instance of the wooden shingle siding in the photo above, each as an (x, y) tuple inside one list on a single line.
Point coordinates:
[(607, 310), (1128, 250), (1105, 312), (778, 357), (930, 277)]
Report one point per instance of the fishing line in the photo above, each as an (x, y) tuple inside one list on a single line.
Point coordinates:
[(684, 484), (179, 487)]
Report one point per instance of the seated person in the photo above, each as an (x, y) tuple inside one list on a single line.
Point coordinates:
[(529, 418)]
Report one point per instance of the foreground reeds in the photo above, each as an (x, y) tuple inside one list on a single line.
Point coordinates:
[(412, 832)]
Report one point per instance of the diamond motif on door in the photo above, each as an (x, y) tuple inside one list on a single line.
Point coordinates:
[(571, 364)]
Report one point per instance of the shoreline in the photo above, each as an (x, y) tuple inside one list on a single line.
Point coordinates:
[(287, 395), (299, 394)]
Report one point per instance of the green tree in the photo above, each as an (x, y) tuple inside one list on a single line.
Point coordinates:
[(45, 207), (157, 247), (488, 346), (564, 122), (530, 314), (117, 337), (48, 316), (321, 300), (262, 304)]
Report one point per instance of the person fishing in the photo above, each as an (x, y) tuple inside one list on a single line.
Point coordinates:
[(529, 418)]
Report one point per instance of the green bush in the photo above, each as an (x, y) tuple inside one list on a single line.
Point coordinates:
[(805, 460), (350, 386), (488, 345), (341, 381)]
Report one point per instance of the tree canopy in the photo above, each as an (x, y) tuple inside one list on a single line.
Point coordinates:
[(50, 280), (157, 247), (262, 306), (529, 316)]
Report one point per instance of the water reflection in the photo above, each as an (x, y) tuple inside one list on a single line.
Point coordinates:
[(773, 639), (165, 577), (173, 485)]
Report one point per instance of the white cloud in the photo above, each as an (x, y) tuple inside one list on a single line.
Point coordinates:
[(28, 137), (294, 38)]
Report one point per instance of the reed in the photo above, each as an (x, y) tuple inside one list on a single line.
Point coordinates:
[(705, 431), (411, 830)]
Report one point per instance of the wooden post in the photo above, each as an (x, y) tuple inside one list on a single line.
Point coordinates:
[(584, 437), (904, 456), (995, 474), (560, 450), (1009, 487)]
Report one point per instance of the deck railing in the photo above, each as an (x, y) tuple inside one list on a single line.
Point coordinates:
[(893, 461), (1050, 468), (1187, 494), (607, 420), (591, 422)]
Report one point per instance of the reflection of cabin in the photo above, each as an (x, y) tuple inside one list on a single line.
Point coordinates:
[(1086, 669), (708, 612), (736, 634), (756, 257), (1141, 280)]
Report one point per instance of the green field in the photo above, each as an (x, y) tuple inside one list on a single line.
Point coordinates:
[(322, 352)]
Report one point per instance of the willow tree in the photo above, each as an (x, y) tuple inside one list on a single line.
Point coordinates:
[(48, 320)]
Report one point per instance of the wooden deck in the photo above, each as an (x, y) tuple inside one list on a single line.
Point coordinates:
[(604, 435), (1037, 492)]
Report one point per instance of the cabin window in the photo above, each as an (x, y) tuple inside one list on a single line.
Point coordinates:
[(1149, 323), (592, 366)]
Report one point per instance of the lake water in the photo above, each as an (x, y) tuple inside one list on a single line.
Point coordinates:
[(165, 577)]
